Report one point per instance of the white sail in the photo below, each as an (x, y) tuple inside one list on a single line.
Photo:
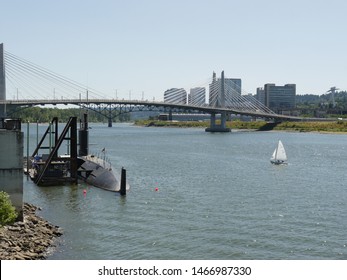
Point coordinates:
[(281, 153), (274, 155)]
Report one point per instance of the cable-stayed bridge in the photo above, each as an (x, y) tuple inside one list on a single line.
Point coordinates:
[(31, 85)]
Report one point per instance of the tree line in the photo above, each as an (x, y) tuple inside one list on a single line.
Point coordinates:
[(324, 101), (45, 115)]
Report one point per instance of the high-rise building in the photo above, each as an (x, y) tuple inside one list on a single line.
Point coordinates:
[(260, 95), (197, 96), (175, 96), (279, 97)]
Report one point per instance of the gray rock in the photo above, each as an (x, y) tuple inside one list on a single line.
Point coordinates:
[(28, 240)]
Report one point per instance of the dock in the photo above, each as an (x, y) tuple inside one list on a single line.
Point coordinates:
[(53, 168)]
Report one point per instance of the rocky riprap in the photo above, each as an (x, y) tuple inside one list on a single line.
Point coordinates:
[(28, 240)]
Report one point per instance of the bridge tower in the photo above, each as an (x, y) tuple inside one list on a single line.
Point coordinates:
[(2, 81), (221, 100)]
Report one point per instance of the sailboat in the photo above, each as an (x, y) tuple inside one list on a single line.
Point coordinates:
[(279, 155)]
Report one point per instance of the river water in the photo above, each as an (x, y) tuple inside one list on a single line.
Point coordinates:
[(198, 195)]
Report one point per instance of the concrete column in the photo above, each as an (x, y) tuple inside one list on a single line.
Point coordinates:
[(11, 167), (110, 117), (223, 120), (2, 81), (222, 91), (215, 127), (109, 122), (2, 74), (213, 121)]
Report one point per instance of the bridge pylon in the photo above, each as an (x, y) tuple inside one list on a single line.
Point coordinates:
[(2, 81), (222, 126)]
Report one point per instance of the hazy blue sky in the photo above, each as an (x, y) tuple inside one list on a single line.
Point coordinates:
[(154, 45)]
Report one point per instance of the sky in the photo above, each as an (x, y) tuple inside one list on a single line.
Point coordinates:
[(144, 47)]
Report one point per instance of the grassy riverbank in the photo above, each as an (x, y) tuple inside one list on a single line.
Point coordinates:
[(332, 127)]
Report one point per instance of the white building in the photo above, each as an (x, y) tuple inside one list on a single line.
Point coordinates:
[(175, 96)]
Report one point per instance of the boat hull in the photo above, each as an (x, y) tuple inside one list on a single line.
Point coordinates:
[(278, 162)]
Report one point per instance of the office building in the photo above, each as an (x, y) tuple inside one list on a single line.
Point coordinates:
[(260, 95), (197, 96), (175, 96), (279, 98)]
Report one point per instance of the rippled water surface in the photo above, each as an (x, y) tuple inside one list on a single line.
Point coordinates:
[(218, 197)]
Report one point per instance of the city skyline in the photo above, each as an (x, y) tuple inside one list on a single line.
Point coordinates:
[(147, 47)]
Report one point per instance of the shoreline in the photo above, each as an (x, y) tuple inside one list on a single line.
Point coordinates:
[(336, 127), (31, 239)]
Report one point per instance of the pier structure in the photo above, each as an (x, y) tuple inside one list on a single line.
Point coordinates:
[(50, 168), (11, 163)]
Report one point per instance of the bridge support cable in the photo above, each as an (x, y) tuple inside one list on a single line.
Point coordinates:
[(214, 93), (237, 99), (25, 85), (35, 80)]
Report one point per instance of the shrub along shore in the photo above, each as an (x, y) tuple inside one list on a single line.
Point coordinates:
[(316, 126), (28, 240)]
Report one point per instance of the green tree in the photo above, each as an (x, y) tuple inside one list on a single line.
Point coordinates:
[(8, 213)]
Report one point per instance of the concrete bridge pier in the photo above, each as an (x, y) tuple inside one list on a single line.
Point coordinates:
[(218, 127), (110, 117), (11, 163)]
